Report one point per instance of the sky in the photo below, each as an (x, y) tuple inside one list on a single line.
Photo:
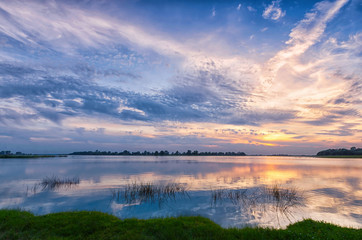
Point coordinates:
[(262, 77)]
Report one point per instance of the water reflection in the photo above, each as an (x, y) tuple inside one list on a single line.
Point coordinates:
[(331, 187), (276, 199), (139, 193)]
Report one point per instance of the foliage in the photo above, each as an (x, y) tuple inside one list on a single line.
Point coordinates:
[(340, 152), (160, 153)]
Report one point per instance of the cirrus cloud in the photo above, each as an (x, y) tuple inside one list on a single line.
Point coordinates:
[(273, 11)]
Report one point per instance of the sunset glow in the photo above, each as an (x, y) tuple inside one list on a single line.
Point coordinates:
[(262, 77)]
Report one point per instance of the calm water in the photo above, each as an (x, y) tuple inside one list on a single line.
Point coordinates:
[(325, 189)]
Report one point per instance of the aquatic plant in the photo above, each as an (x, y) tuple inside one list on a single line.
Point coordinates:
[(234, 195), (284, 199), (54, 183), (276, 198), (149, 192)]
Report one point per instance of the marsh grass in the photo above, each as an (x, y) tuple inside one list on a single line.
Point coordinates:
[(284, 199), (235, 196), (276, 198), (149, 192), (32, 190), (54, 183)]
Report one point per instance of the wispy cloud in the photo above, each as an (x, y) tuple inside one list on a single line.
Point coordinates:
[(305, 34), (251, 9), (64, 68), (273, 11), (66, 28), (213, 12)]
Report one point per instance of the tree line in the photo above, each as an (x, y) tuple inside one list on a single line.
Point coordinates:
[(160, 153), (341, 151)]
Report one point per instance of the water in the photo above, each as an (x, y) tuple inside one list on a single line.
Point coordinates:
[(325, 189)]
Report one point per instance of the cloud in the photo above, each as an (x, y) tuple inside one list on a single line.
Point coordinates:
[(251, 9), (259, 117), (207, 96), (66, 28), (303, 36), (312, 27), (9, 116), (10, 70), (345, 129), (64, 63), (273, 11), (323, 121), (66, 31), (56, 97), (340, 101), (238, 7), (213, 13)]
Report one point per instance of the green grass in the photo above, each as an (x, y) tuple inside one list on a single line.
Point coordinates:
[(15, 224), (340, 156)]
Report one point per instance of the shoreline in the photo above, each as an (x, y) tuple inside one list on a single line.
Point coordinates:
[(32, 156)]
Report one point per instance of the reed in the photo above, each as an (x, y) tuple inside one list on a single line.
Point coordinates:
[(284, 199), (149, 192), (54, 183), (234, 195), (276, 198)]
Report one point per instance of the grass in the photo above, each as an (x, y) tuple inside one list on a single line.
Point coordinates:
[(15, 224), (149, 192)]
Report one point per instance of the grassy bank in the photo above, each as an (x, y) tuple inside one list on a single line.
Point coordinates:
[(16, 224)]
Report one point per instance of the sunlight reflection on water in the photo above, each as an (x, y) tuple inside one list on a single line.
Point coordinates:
[(331, 188)]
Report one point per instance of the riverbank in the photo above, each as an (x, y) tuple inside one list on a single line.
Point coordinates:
[(31, 156), (15, 224)]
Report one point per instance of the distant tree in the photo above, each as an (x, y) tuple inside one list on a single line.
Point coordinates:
[(341, 151), (162, 153)]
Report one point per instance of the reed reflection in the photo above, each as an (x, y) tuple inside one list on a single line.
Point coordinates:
[(276, 199), (149, 192)]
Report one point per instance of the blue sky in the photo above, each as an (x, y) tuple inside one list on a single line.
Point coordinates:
[(252, 76)]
